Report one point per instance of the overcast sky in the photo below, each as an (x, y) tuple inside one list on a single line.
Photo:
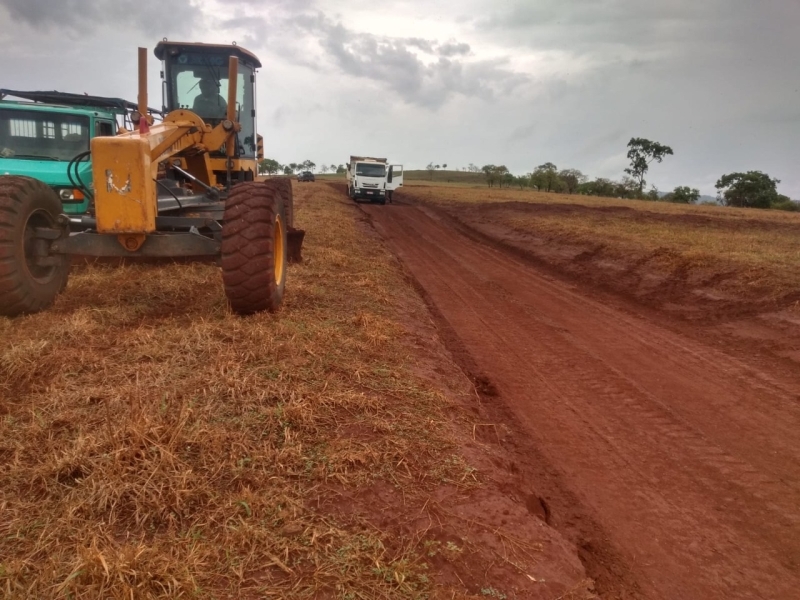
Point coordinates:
[(514, 82)]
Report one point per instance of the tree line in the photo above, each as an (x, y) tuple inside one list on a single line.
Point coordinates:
[(270, 166), (752, 189)]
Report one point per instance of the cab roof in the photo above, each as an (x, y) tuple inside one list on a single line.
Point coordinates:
[(69, 103), (164, 47)]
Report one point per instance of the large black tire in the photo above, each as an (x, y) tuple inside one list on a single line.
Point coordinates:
[(254, 247), (284, 186), (25, 287)]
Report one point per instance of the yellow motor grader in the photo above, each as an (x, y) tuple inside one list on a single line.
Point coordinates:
[(183, 187)]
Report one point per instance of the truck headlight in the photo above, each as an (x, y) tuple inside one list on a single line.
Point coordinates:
[(68, 195)]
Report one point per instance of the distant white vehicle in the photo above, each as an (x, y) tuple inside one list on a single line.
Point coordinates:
[(373, 179)]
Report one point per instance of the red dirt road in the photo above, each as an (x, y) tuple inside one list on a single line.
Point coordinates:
[(671, 463)]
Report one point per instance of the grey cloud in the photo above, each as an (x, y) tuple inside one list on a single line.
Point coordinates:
[(391, 62), (425, 45), (447, 49), (88, 15), (611, 26), (245, 22), (523, 133), (454, 49)]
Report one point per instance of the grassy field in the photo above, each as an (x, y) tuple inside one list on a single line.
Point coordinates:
[(747, 252), (152, 445), (446, 177)]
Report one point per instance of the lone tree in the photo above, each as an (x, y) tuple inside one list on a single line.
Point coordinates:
[(683, 194), (572, 179), (501, 175), (270, 166), (545, 177), (753, 189), (641, 153), (490, 172)]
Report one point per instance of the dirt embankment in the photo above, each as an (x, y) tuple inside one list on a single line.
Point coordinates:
[(729, 273)]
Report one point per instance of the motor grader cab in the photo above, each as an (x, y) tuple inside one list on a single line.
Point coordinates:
[(180, 188)]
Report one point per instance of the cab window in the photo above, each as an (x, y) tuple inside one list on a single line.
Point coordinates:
[(104, 128)]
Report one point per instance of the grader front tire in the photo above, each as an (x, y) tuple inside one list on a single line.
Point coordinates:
[(284, 188), (26, 285), (254, 247)]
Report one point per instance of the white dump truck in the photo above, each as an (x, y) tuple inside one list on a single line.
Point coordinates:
[(373, 179)]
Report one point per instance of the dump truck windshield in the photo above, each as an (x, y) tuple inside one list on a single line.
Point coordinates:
[(38, 135), (370, 170)]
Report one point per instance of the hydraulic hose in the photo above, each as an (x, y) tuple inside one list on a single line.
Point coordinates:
[(77, 181)]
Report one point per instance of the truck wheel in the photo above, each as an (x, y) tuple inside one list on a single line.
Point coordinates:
[(27, 285), (254, 247)]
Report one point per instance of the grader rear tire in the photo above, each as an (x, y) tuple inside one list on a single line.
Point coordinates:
[(254, 247), (25, 286)]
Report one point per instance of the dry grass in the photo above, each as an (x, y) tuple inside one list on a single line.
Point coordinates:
[(154, 446)]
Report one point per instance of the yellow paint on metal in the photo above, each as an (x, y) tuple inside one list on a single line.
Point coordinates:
[(233, 78), (125, 190)]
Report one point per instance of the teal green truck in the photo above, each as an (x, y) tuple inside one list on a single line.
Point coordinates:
[(46, 136)]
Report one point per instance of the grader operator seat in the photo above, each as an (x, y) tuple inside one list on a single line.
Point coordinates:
[(196, 79)]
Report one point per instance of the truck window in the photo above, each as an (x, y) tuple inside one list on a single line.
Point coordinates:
[(104, 128), (28, 128), (36, 134), (370, 170), (74, 131)]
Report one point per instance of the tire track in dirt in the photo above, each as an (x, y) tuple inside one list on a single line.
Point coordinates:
[(685, 458)]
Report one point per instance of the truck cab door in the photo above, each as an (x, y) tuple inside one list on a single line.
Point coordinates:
[(394, 179)]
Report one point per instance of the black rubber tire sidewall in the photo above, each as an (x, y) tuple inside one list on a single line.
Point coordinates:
[(284, 187), (20, 292), (248, 246)]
